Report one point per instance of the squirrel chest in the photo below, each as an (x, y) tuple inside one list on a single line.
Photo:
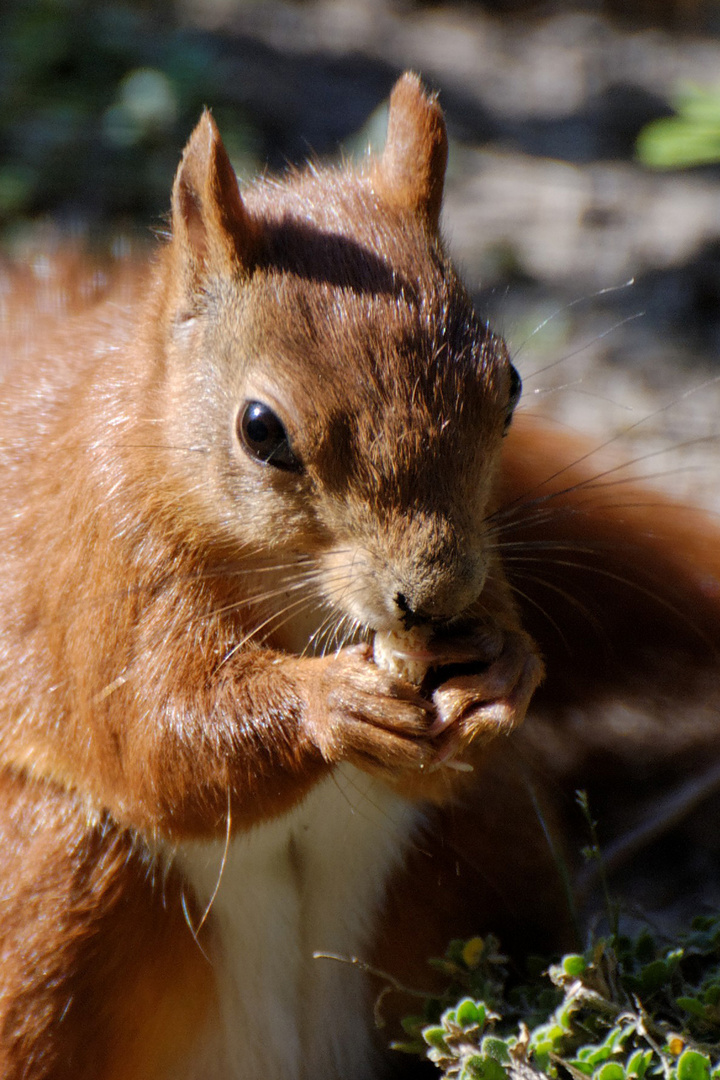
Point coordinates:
[(292, 903)]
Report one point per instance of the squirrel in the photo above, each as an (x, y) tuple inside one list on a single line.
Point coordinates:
[(264, 627)]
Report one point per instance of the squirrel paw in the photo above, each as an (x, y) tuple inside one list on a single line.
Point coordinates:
[(367, 716), (474, 708)]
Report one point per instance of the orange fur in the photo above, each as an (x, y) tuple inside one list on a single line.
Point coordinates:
[(155, 691)]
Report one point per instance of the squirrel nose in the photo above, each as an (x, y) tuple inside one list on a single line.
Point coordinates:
[(431, 609), (409, 617), (432, 573)]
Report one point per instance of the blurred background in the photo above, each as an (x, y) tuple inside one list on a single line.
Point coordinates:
[(585, 150)]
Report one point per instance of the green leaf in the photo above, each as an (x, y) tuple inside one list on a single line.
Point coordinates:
[(673, 143), (612, 1070), (691, 1005), (573, 964), (654, 975), (496, 1048), (617, 1036), (637, 1064), (413, 1025), (673, 958), (645, 948), (541, 1058), (563, 1015), (693, 1065), (703, 922), (469, 1013), (692, 137), (581, 1066), (699, 104), (415, 1048), (472, 1068), (435, 1037), (482, 1068), (595, 1056), (447, 967), (454, 952), (473, 951)]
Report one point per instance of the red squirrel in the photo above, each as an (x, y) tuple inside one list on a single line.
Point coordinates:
[(288, 436)]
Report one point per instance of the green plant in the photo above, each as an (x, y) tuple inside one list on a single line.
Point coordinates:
[(96, 102), (691, 137), (629, 1007)]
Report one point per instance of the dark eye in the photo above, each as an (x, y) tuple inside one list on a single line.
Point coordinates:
[(515, 392), (264, 437)]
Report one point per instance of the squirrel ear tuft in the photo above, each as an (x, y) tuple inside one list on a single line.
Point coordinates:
[(411, 169), (209, 222)]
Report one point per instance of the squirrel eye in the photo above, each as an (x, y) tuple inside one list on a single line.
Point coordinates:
[(515, 392), (264, 438)]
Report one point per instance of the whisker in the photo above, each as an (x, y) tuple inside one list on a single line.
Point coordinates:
[(260, 598), (594, 483), (622, 434), (576, 387), (189, 924), (574, 601), (567, 307), (643, 590), (556, 626), (283, 615), (556, 855), (546, 545), (221, 870), (317, 638), (581, 348)]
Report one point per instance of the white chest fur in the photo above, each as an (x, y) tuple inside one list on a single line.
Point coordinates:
[(309, 882)]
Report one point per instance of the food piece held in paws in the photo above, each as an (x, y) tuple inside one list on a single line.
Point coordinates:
[(403, 653)]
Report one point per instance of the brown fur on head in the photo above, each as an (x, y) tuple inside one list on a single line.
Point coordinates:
[(328, 298)]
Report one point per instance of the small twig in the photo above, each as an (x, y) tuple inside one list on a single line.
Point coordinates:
[(642, 1020), (600, 868), (574, 1072), (368, 969), (558, 860)]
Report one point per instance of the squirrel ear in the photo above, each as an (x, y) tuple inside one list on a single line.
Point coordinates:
[(209, 222), (411, 170)]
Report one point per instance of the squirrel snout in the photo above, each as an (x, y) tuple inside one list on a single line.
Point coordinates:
[(392, 590), (413, 592), (410, 618), (431, 610), (416, 617), (435, 594)]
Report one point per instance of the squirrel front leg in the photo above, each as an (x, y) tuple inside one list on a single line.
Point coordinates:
[(177, 758)]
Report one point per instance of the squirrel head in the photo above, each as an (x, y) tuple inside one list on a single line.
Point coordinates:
[(325, 357)]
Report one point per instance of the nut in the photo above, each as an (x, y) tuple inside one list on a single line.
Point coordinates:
[(393, 652)]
